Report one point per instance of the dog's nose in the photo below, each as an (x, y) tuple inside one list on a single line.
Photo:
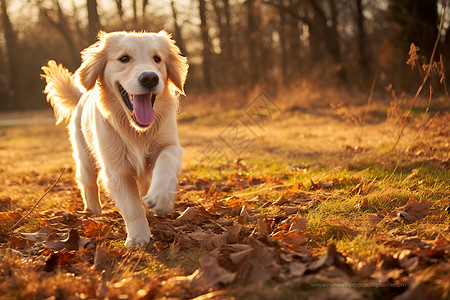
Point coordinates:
[(149, 79)]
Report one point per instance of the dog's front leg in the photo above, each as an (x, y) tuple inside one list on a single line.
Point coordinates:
[(160, 197), (123, 190)]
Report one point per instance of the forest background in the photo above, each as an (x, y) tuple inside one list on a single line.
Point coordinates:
[(235, 45)]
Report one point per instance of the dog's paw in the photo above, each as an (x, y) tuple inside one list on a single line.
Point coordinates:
[(135, 241), (160, 200)]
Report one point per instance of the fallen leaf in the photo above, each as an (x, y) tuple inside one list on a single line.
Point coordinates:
[(297, 268), (342, 229), (231, 236), (331, 258), (35, 236), (208, 240), (188, 214), (90, 228), (69, 242), (290, 209), (362, 204), (441, 243), (298, 223), (10, 218), (18, 242), (259, 266), (414, 210), (104, 257), (263, 226), (293, 239), (208, 275), (59, 258), (244, 216), (375, 218)]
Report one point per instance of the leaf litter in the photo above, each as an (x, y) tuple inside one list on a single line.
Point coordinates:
[(238, 247)]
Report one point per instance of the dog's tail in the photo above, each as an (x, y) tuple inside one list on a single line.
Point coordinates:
[(62, 93)]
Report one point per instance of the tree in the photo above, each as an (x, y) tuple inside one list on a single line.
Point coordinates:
[(207, 57), (59, 21), (361, 42), (327, 25), (13, 52), (93, 19), (178, 36)]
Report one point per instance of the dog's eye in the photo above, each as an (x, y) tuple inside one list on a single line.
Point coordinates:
[(125, 59), (157, 59)]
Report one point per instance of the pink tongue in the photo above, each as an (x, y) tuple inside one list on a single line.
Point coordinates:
[(143, 110)]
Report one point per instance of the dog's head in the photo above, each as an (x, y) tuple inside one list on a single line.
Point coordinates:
[(135, 68)]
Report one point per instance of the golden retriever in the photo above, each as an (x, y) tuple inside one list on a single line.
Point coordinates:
[(122, 105)]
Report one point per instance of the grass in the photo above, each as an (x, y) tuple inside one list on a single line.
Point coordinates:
[(334, 172)]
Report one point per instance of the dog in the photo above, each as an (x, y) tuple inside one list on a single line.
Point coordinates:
[(121, 106)]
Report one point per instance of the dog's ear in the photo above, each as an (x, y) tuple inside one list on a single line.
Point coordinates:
[(176, 64), (93, 60)]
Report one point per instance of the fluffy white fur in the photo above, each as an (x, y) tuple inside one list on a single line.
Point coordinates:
[(107, 142)]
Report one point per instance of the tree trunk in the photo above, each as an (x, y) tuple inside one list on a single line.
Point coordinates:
[(226, 57), (93, 19), (119, 10), (14, 99), (135, 17), (62, 26), (330, 37), (144, 7), (361, 39), (178, 36), (253, 67), (207, 81), (285, 57)]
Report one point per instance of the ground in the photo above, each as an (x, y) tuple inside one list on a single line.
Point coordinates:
[(277, 200)]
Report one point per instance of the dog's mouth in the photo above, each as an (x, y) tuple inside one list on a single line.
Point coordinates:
[(140, 106)]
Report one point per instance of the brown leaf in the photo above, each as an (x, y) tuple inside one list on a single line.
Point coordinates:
[(297, 268), (386, 262), (414, 210), (35, 236), (4, 235), (362, 204), (290, 209), (331, 258), (10, 218), (375, 218), (298, 224), (208, 275), (18, 242), (342, 229), (260, 265), (69, 242), (293, 239), (207, 239), (90, 228), (182, 241), (189, 214), (232, 234), (104, 257), (59, 258), (441, 243), (238, 257), (244, 216), (263, 226)]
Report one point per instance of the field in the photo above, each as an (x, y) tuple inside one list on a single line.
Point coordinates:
[(277, 200)]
